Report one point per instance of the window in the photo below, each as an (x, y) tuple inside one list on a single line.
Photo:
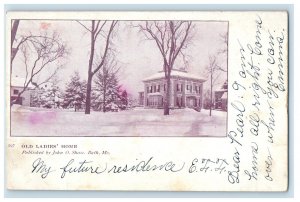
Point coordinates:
[(179, 87), (187, 87), (150, 89), (164, 87), (154, 88), (158, 88), (16, 92)]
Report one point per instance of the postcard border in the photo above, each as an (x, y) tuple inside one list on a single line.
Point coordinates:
[(240, 7)]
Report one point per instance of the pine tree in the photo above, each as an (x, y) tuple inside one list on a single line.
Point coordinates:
[(48, 96), (105, 91), (51, 96), (75, 93), (123, 96), (35, 98)]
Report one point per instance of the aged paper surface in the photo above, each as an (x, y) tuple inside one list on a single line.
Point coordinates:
[(179, 101)]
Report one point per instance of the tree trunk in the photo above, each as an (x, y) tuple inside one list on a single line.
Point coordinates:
[(90, 73), (211, 93), (104, 89), (167, 102), (14, 30), (88, 95), (104, 97)]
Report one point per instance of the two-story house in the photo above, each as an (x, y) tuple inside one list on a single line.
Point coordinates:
[(186, 90)]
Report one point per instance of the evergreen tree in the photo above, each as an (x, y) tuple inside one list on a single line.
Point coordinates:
[(51, 96), (75, 93), (47, 96), (105, 91), (35, 98), (123, 97)]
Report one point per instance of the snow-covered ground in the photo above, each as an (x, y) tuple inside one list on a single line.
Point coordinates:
[(28, 121)]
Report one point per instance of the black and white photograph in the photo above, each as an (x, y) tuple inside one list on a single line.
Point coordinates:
[(148, 100), (119, 78)]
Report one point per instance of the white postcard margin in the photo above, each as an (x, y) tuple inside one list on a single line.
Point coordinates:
[(255, 162)]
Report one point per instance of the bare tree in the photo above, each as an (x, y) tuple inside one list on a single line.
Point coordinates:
[(97, 28), (18, 42), (212, 70), (223, 50), (38, 54), (171, 38), (14, 29)]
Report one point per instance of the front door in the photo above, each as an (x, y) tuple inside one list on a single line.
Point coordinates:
[(191, 102)]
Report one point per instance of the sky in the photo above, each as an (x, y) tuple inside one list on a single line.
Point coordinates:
[(138, 58)]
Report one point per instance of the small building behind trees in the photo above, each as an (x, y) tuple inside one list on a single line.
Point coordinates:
[(220, 97), (16, 87)]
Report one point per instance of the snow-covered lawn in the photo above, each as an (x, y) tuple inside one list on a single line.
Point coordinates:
[(27, 121)]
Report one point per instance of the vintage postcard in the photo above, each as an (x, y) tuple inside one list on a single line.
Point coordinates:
[(158, 101)]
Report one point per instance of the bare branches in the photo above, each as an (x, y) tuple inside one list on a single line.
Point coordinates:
[(40, 53), (106, 48), (84, 26), (97, 31), (25, 55), (221, 69), (33, 39), (212, 64), (224, 40), (177, 50), (171, 38), (98, 28), (50, 77)]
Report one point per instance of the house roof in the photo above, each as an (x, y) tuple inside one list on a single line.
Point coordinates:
[(224, 96), (222, 87), (175, 73), (19, 82)]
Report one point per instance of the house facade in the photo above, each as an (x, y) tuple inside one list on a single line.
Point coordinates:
[(220, 97), (186, 90), (141, 98), (17, 86)]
